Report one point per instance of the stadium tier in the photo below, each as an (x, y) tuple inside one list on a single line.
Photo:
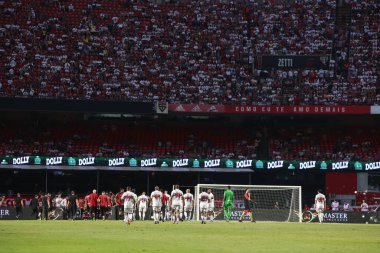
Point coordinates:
[(324, 143), (128, 125), (190, 139), (115, 139), (188, 51)]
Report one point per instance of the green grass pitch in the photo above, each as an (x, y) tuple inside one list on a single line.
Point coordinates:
[(115, 236)]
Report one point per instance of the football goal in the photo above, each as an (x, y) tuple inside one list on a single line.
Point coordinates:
[(269, 202)]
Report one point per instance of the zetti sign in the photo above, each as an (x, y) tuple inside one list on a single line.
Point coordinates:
[(292, 62)]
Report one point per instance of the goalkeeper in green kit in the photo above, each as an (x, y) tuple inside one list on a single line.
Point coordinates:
[(228, 203)]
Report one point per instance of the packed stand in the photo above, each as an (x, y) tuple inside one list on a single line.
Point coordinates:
[(102, 139), (364, 67), (191, 139), (328, 87), (132, 50), (325, 144), (185, 51)]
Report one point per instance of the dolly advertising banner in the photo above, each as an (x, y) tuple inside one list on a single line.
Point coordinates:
[(178, 163)]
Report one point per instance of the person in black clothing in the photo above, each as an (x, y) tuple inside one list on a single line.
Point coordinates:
[(34, 205), (72, 205), (248, 206), (50, 201), (18, 204), (45, 207)]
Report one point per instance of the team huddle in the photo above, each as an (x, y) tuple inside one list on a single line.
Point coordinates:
[(175, 207)]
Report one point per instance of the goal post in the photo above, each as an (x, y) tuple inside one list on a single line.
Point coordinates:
[(271, 202)]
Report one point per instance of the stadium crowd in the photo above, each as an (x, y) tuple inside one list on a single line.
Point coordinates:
[(314, 143), (184, 51), (277, 141), (137, 139)]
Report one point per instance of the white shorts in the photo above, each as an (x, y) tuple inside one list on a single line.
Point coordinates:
[(188, 208), (156, 208), (211, 208), (319, 208), (203, 207), (142, 208), (176, 207), (128, 207)]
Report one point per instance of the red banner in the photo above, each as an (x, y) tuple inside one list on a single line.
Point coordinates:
[(341, 183), (312, 109), (273, 109)]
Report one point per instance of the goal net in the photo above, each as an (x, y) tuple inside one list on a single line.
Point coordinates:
[(271, 203)]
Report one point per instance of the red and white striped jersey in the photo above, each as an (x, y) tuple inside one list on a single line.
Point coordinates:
[(204, 197), (129, 197), (156, 197), (188, 198)]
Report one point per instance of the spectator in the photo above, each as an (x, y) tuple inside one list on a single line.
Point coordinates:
[(18, 205), (335, 205), (364, 206), (346, 206), (34, 206), (45, 206)]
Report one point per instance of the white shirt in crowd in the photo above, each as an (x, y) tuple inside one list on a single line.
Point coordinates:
[(335, 205), (64, 202), (58, 202), (364, 207)]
